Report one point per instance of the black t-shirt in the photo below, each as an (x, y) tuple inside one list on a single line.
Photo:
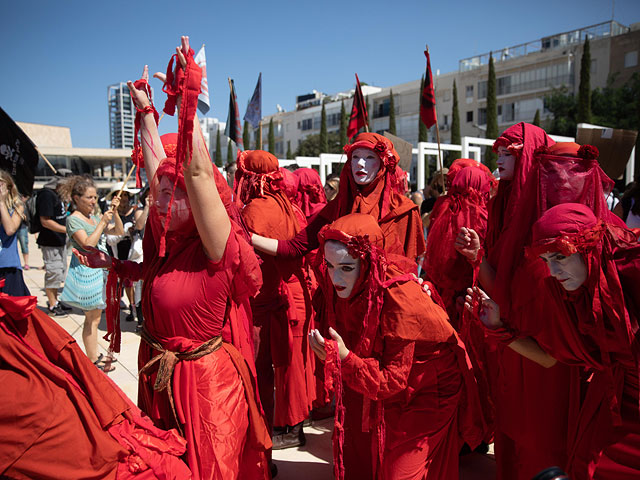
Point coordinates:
[(427, 205), (50, 205)]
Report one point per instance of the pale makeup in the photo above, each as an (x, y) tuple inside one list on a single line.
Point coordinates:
[(570, 271), (342, 268), (506, 163), (365, 164)]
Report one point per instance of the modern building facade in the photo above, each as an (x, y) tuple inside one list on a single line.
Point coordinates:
[(122, 114), (525, 74)]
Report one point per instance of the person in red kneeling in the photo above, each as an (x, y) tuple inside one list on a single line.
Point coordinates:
[(405, 396)]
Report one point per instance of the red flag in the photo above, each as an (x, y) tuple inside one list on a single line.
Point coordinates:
[(428, 100), (359, 117)]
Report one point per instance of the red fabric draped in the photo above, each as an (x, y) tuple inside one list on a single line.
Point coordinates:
[(596, 327), (398, 216), (62, 418), (398, 339), (310, 196)]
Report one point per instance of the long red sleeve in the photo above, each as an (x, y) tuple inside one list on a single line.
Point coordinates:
[(305, 241), (380, 379)]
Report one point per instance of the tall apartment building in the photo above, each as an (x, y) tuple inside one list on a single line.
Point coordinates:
[(525, 74), (122, 114)]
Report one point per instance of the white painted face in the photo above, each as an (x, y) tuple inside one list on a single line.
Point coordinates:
[(365, 164), (180, 209), (343, 269), (506, 163), (570, 271)]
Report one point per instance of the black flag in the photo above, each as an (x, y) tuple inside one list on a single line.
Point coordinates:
[(18, 154)]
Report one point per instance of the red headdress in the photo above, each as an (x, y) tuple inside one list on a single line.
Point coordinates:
[(258, 176), (462, 163), (290, 184), (311, 197), (382, 198), (598, 315)]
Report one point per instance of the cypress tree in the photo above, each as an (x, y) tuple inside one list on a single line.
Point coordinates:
[(324, 141), (492, 115), (272, 138), (422, 128), (289, 154), (584, 91), (246, 138), (392, 114), (256, 138), (536, 118), (229, 151), (456, 139), (218, 156), (343, 124)]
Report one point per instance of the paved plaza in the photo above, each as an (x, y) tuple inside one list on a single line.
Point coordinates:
[(311, 462)]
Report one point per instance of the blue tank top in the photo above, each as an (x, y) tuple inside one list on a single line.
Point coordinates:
[(9, 250)]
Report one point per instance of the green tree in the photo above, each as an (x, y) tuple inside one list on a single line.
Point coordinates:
[(423, 135), (256, 138), (392, 114), (456, 139), (229, 151), (563, 107), (584, 90), (536, 118), (246, 136), (492, 115), (310, 146), (344, 120), (289, 154), (272, 138), (218, 157), (324, 145)]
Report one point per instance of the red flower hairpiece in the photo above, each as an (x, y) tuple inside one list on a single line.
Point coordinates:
[(542, 150), (359, 246), (569, 244), (588, 152)]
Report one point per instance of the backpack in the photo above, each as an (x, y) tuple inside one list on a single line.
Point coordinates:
[(33, 219)]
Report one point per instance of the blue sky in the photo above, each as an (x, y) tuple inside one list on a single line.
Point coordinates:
[(60, 56)]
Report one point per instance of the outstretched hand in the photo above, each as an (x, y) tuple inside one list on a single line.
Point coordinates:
[(317, 342), (93, 258), (468, 243), (138, 95), (488, 311), (181, 52)]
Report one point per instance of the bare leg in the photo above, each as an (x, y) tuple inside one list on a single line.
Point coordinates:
[(52, 296), (90, 333)]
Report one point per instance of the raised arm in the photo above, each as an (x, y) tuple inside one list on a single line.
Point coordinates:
[(208, 210), (152, 150), (10, 221)]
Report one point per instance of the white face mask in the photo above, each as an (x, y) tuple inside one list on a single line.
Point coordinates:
[(506, 163), (365, 164), (343, 269), (570, 271)]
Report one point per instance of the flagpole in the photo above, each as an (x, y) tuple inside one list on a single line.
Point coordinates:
[(440, 159), (55, 172), (231, 93), (260, 135)]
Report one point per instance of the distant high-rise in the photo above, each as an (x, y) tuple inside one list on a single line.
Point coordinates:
[(121, 116)]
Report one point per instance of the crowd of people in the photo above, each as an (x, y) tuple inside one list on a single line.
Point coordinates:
[(488, 310)]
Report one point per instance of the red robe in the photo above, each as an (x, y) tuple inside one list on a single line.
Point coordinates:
[(60, 417)]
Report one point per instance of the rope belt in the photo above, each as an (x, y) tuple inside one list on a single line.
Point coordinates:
[(167, 361)]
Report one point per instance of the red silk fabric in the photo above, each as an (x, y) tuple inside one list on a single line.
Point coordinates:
[(62, 418)]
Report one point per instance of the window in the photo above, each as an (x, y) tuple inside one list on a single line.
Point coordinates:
[(504, 85), (469, 91), (631, 59), (470, 116), (381, 109), (482, 116), (446, 120), (594, 66), (508, 112), (482, 89), (306, 124)]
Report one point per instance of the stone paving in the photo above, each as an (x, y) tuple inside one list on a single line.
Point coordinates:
[(313, 461)]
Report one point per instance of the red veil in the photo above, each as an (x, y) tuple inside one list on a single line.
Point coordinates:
[(596, 327), (311, 197)]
